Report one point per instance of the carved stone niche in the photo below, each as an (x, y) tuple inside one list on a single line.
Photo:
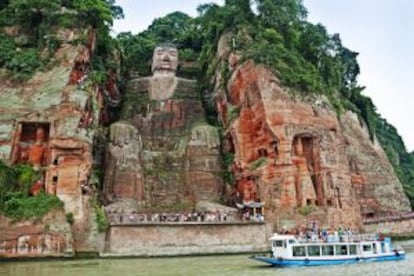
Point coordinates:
[(305, 155), (31, 144)]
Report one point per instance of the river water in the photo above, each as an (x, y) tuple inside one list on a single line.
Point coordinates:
[(211, 265)]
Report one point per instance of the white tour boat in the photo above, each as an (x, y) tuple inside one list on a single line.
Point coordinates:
[(287, 250)]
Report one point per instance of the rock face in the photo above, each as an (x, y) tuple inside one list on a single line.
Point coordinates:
[(49, 122), (43, 118), (35, 239), (164, 153), (376, 185), (294, 155)]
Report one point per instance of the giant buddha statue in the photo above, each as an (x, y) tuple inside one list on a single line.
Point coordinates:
[(163, 151)]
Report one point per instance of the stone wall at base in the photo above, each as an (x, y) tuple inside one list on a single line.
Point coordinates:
[(173, 239)]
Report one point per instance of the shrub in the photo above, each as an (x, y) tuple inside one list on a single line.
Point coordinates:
[(19, 206), (101, 219), (306, 210), (69, 218), (26, 176)]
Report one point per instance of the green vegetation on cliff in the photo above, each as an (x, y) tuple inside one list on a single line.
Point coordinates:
[(28, 29), (401, 160), (16, 200)]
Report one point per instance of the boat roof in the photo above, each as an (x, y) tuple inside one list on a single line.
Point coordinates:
[(355, 238), (282, 237)]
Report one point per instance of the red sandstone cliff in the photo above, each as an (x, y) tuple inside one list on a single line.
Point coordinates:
[(50, 122), (295, 154)]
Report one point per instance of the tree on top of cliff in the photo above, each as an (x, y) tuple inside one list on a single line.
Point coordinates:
[(33, 14), (176, 27), (97, 12)]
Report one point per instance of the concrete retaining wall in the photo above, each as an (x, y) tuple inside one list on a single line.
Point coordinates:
[(172, 239)]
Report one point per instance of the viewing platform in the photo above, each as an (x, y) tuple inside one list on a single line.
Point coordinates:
[(180, 218), (387, 218)]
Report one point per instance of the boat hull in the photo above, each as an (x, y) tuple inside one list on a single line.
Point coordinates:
[(285, 262)]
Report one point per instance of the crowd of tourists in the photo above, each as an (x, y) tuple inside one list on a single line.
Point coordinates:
[(134, 217), (330, 235), (326, 235)]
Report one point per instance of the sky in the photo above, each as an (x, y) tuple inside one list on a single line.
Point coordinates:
[(381, 31)]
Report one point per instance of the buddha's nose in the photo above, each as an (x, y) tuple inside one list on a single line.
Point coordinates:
[(165, 57)]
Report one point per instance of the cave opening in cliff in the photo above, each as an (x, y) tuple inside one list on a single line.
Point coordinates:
[(262, 152), (274, 145), (329, 202)]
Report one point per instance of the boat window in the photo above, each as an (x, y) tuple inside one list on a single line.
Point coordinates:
[(292, 241), (299, 251), (327, 250), (314, 250), (352, 249), (366, 247), (278, 244), (340, 249)]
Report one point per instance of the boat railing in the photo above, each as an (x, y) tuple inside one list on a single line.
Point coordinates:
[(363, 237), (338, 238)]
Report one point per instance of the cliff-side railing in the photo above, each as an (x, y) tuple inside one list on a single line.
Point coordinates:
[(385, 218), (190, 218)]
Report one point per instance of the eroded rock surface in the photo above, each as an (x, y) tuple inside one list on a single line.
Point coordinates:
[(51, 236), (294, 155), (49, 122)]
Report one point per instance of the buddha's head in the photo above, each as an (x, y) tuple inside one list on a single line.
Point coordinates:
[(165, 60)]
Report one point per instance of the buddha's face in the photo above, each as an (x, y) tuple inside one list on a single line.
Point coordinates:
[(165, 60)]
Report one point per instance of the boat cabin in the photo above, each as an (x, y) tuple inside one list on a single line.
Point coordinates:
[(288, 246)]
